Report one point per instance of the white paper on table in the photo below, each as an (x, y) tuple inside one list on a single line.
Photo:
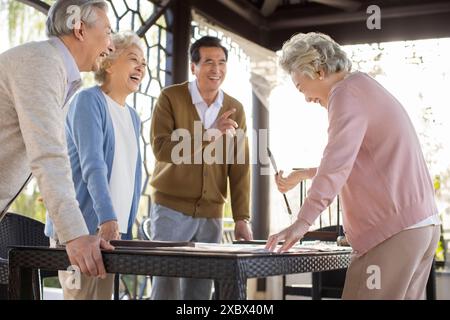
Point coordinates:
[(310, 247)]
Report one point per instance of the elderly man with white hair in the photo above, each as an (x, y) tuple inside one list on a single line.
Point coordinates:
[(36, 82)]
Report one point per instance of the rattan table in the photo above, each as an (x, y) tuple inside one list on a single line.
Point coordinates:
[(229, 271)]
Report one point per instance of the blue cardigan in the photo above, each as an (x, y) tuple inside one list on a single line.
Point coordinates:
[(90, 142)]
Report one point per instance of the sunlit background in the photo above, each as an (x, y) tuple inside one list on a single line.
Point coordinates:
[(417, 73)]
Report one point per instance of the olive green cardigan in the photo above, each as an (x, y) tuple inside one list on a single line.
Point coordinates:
[(196, 187)]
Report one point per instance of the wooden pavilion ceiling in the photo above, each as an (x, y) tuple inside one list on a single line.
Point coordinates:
[(271, 22)]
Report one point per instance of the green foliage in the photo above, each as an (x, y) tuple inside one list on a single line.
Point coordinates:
[(131, 286), (52, 282), (228, 213), (16, 17), (440, 252), (29, 203), (24, 22)]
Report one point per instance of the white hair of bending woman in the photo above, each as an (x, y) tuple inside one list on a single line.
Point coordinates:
[(311, 52)]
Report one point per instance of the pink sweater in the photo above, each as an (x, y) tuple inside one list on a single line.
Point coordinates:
[(373, 158)]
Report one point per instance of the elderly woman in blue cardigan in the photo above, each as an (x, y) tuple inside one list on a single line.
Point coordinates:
[(102, 134)]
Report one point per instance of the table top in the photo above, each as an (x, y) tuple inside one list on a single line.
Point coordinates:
[(229, 269), (189, 263), (232, 251)]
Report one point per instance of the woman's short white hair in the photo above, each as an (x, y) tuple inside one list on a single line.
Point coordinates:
[(65, 14), (122, 41), (311, 52)]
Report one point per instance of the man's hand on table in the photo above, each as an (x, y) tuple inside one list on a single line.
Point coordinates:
[(242, 231), (84, 252)]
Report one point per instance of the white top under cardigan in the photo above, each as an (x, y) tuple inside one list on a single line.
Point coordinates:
[(124, 164)]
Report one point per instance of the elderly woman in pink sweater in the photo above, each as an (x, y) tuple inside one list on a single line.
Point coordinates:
[(374, 160)]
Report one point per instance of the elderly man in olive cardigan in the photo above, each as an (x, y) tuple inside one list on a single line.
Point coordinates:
[(189, 190)]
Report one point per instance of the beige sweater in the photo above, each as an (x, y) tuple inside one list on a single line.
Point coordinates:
[(198, 190), (33, 84)]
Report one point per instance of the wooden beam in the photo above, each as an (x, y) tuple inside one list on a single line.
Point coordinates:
[(178, 18), (297, 19), (245, 10), (41, 6), (223, 16), (163, 5), (400, 29), (269, 7), (260, 190), (347, 5)]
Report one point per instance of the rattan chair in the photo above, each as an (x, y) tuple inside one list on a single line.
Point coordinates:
[(19, 230), (3, 279)]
